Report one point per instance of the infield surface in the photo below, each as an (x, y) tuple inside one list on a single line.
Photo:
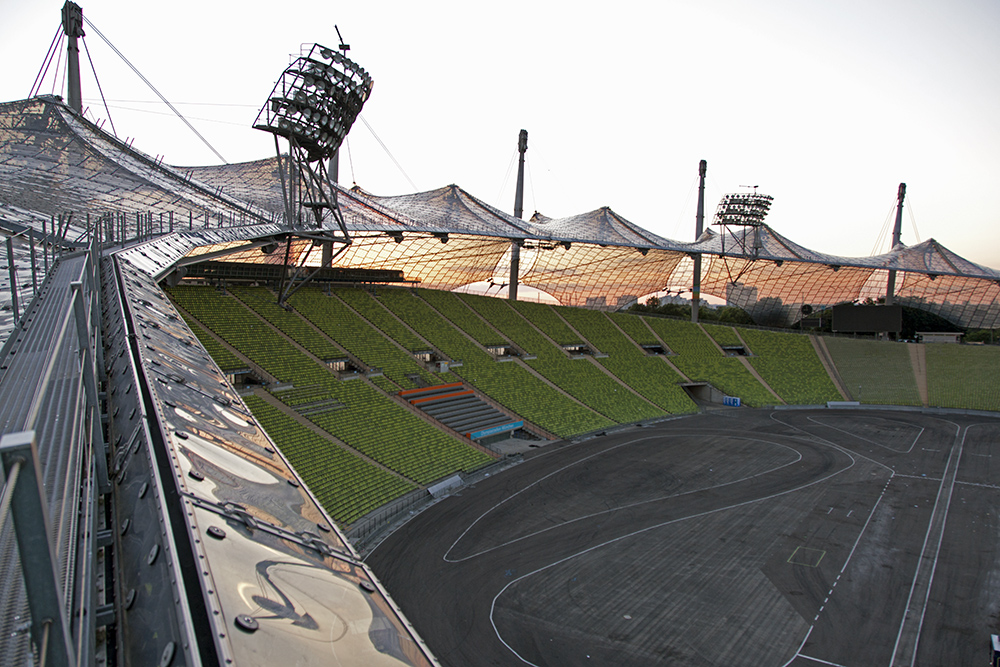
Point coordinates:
[(799, 538)]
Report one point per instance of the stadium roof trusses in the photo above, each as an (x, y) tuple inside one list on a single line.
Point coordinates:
[(54, 162)]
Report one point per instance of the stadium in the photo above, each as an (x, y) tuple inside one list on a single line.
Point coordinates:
[(250, 415)]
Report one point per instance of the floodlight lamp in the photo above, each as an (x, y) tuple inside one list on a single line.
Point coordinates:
[(311, 96), (743, 208)]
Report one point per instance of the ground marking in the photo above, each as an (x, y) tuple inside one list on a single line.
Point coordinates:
[(807, 559), (985, 486), (616, 509), (937, 548), (640, 531), (822, 662), (850, 555), (877, 444)]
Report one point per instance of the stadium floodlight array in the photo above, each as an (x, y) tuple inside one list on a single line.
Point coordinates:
[(746, 209), (316, 100), (313, 105)]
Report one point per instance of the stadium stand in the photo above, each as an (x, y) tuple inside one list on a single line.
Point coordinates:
[(353, 333), (346, 485), (723, 335), (507, 383), (362, 302), (636, 329), (543, 317), (875, 372), (700, 360), (263, 301), (369, 422), (648, 375), (395, 437), (788, 363), (230, 319), (577, 377), (452, 309), (226, 360), (963, 376)]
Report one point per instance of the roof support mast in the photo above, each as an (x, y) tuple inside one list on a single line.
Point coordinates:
[(890, 287), (515, 247), (699, 224), (72, 24)]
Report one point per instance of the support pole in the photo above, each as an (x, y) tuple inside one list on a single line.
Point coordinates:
[(515, 248), (699, 223), (72, 23), (890, 287)]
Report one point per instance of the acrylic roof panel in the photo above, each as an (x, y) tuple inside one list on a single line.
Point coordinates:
[(256, 182), (452, 209), (52, 161), (602, 226)]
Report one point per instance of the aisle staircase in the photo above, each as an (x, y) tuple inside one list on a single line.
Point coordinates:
[(458, 408)]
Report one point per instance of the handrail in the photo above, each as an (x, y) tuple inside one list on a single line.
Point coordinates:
[(23, 496), (38, 566)]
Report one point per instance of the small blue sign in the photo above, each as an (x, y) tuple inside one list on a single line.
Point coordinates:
[(496, 429), (733, 401)]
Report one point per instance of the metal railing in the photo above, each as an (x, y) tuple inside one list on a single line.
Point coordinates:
[(57, 568)]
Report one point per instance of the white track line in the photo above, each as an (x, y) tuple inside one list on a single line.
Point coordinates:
[(877, 444), (638, 532), (949, 480), (608, 511)]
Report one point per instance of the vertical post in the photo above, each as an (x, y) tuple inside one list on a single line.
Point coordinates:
[(96, 251), (13, 279), (19, 452), (90, 384), (897, 229), (515, 248), (699, 222), (72, 23), (34, 262), (333, 175), (45, 247), (171, 222)]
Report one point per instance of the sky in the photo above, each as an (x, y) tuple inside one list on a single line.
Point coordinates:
[(825, 105)]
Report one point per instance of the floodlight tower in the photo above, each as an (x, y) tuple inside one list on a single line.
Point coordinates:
[(313, 105), (741, 215)]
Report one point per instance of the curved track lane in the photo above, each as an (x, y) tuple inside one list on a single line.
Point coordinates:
[(450, 566)]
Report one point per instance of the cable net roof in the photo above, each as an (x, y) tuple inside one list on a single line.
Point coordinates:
[(54, 162)]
